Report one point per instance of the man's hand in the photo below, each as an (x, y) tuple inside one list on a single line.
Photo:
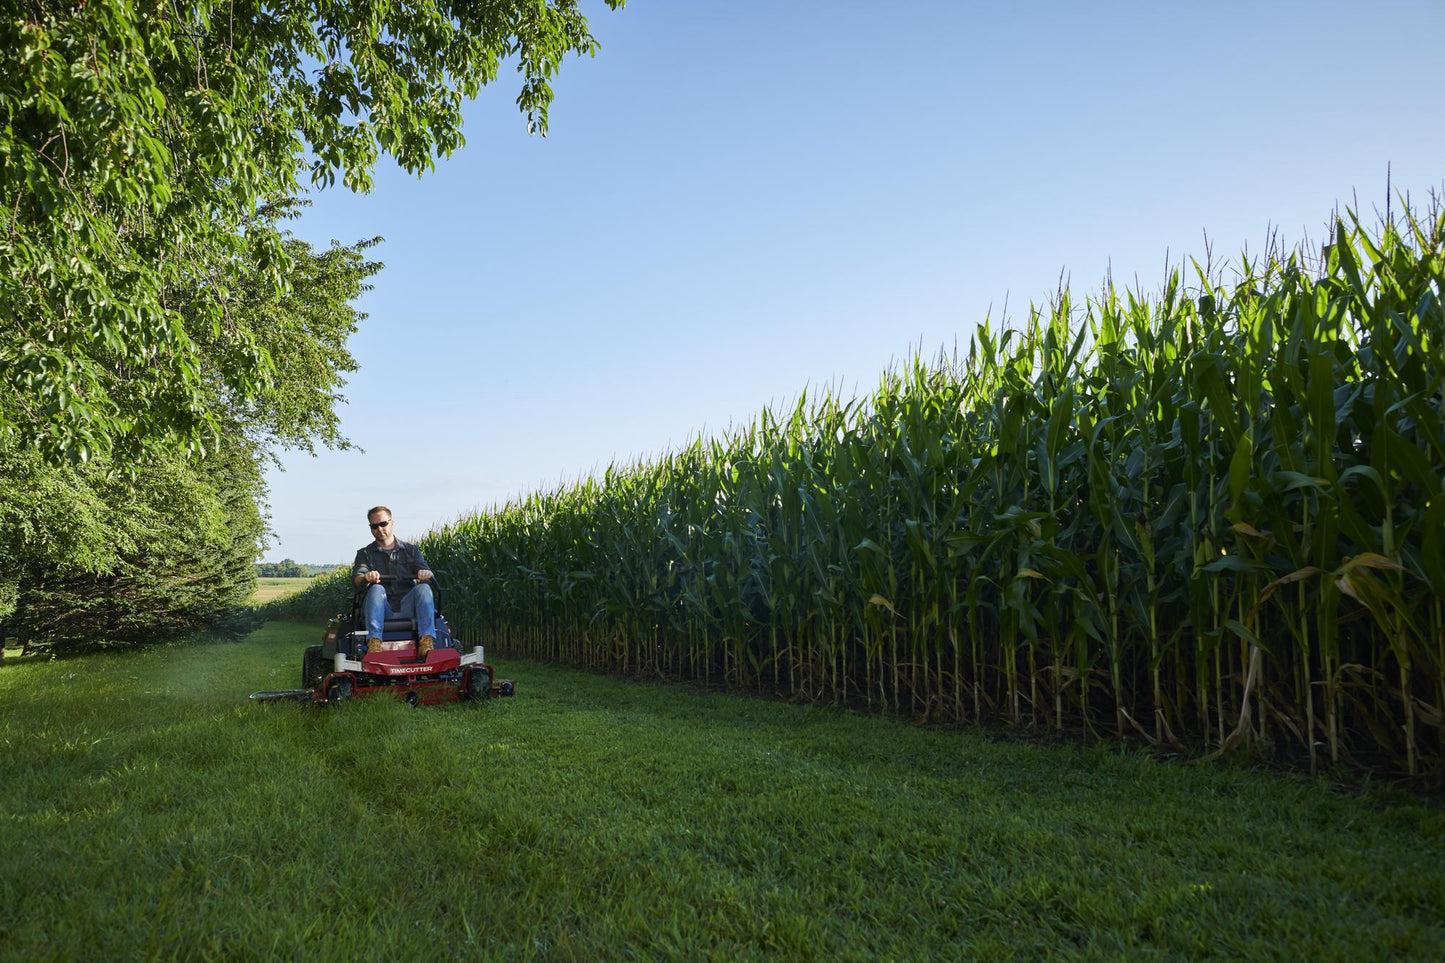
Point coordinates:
[(423, 575), (372, 577)]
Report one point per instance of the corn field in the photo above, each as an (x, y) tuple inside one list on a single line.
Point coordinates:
[(1208, 517)]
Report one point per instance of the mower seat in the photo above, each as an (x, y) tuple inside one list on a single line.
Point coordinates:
[(398, 629)]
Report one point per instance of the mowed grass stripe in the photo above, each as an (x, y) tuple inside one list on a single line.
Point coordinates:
[(149, 810)]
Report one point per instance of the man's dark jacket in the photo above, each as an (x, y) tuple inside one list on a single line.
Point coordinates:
[(403, 560)]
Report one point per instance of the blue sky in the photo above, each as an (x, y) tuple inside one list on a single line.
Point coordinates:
[(737, 200)]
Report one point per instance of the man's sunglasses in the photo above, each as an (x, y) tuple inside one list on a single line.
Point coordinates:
[(381, 524)]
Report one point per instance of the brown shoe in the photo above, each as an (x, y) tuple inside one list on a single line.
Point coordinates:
[(424, 645), (373, 645)]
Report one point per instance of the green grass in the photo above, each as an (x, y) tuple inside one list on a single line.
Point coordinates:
[(268, 588), (148, 810)]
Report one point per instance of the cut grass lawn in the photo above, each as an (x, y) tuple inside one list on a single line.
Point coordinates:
[(147, 809), (268, 588)]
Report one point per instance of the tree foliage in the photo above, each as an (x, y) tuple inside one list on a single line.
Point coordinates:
[(96, 557), (161, 333), (107, 551), (142, 145), (303, 328)]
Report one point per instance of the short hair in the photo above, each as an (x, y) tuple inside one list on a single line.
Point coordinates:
[(378, 508)]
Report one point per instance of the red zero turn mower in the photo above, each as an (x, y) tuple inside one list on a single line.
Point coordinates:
[(340, 668)]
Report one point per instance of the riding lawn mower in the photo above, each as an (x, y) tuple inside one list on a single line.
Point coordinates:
[(341, 668)]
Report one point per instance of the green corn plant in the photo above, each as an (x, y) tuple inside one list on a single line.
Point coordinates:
[(1142, 510)]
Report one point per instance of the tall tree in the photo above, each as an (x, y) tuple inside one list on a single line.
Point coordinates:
[(141, 146), (113, 551), (96, 557)]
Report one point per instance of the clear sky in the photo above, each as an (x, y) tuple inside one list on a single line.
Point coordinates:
[(741, 198)]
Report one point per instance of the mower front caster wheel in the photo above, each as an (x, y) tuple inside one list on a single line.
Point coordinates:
[(479, 685), (340, 689), (313, 668)]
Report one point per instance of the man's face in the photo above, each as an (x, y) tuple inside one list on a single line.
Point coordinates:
[(380, 526)]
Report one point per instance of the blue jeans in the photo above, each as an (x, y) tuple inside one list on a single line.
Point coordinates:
[(416, 604)]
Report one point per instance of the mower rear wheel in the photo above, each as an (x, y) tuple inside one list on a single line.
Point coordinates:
[(313, 667)]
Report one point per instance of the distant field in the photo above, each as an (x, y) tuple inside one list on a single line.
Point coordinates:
[(147, 810), (273, 588)]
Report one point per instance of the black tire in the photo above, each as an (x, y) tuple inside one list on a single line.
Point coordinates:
[(479, 684), (340, 688), (313, 667)]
